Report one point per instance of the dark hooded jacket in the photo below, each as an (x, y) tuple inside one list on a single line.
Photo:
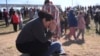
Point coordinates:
[(35, 33), (72, 21)]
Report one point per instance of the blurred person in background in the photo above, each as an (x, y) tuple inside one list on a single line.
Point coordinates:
[(54, 11), (1, 15), (97, 20), (20, 19), (81, 25), (15, 20), (6, 17), (72, 23)]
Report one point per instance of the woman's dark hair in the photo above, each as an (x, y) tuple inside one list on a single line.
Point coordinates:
[(13, 12), (46, 1), (45, 15), (18, 12)]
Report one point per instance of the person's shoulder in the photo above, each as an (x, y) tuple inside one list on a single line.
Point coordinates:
[(31, 21), (34, 22)]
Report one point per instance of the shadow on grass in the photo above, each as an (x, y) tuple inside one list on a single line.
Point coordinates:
[(3, 27), (79, 42), (4, 33), (98, 32), (2, 24)]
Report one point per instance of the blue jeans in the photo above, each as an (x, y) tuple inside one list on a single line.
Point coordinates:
[(55, 47)]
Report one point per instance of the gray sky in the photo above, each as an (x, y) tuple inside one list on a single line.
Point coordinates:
[(63, 3)]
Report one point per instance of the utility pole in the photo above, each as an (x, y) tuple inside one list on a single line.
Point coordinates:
[(7, 5), (72, 3), (27, 3)]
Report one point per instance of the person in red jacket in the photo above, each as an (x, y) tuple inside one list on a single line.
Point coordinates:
[(15, 20)]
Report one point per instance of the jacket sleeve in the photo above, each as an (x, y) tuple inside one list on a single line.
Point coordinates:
[(40, 34)]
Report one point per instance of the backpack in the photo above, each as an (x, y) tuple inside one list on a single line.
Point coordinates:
[(15, 19)]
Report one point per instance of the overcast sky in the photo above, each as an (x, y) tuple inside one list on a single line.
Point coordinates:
[(63, 3)]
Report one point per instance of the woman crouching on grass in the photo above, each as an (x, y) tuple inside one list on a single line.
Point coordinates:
[(35, 36)]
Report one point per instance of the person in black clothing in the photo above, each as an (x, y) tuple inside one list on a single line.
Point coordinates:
[(34, 38), (11, 11), (1, 15), (87, 20), (5, 16), (97, 22)]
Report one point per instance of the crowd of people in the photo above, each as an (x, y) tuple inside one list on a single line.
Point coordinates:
[(13, 17), (16, 16), (47, 25), (81, 19)]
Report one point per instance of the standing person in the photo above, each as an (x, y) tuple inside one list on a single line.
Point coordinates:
[(72, 22), (87, 20), (81, 25), (31, 13), (35, 13), (34, 38), (5, 16), (97, 21), (1, 15), (15, 20), (66, 18), (54, 11), (20, 19), (22, 12), (62, 22), (11, 12)]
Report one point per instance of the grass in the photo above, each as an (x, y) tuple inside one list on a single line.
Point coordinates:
[(7, 30)]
